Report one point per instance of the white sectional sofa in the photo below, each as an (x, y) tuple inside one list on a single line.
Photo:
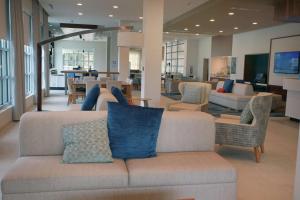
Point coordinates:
[(186, 165), (240, 96)]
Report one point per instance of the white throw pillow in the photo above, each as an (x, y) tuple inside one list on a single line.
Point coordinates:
[(191, 94)]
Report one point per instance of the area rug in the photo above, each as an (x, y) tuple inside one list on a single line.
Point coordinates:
[(217, 110)]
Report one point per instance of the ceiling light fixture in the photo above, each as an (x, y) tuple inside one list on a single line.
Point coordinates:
[(79, 4), (80, 13), (140, 17), (186, 29), (212, 20), (236, 28), (231, 13), (197, 25), (220, 31), (254, 23), (115, 6), (111, 15), (197, 34), (167, 32)]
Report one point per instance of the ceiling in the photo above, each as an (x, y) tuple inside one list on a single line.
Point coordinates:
[(245, 13), (97, 11)]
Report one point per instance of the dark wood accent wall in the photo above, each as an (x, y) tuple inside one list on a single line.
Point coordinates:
[(277, 90)]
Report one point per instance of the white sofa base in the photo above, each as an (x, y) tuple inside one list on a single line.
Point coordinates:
[(203, 191)]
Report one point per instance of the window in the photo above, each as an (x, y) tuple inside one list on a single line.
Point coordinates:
[(135, 60), (29, 70), (5, 74), (74, 58)]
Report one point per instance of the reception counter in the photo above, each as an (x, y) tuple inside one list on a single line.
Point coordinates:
[(293, 97)]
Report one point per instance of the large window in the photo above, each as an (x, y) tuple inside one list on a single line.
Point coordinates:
[(134, 59), (29, 70), (75, 58), (5, 74)]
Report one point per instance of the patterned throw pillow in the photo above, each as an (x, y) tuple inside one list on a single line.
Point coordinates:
[(86, 142), (246, 116), (191, 94)]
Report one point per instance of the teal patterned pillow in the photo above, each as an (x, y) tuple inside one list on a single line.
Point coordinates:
[(246, 116), (86, 142)]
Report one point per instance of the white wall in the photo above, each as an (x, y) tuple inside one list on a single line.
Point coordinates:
[(204, 51), (282, 45), (191, 57), (256, 42), (99, 48)]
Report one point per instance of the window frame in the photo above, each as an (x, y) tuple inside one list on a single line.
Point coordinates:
[(5, 55)]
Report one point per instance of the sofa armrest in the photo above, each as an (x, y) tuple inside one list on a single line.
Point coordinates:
[(230, 116)]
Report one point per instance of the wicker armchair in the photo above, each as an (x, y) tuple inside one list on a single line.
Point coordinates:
[(179, 105), (229, 130)]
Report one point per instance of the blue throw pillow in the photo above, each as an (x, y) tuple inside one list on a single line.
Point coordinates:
[(91, 98), (133, 130), (228, 85), (119, 96)]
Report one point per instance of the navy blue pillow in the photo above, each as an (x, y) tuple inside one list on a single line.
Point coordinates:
[(228, 85), (133, 130), (91, 98), (119, 96)]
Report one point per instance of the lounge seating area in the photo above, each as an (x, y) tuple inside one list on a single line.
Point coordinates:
[(149, 100)]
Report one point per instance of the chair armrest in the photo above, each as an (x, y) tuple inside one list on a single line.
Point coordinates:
[(230, 116), (169, 104)]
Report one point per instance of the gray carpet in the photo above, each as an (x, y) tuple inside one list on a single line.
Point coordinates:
[(217, 110)]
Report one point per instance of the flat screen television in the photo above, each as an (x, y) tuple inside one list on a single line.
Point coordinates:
[(287, 62)]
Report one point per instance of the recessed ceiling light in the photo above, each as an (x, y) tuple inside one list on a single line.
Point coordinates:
[(79, 4), (115, 6), (197, 25), (212, 20), (236, 28), (140, 31), (197, 34), (231, 13), (167, 32), (220, 31), (141, 17), (254, 23), (186, 29), (111, 15), (80, 13)]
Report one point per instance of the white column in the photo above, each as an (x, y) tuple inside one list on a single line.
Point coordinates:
[(152, 51), (297, 176), (123, 63)]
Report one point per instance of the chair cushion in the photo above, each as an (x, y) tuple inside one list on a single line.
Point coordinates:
[(48, 174), (182, 168), (133, 130), (119, 95), (246, 115), (191, 94), (228, 85), (86, 142), (91, 98)]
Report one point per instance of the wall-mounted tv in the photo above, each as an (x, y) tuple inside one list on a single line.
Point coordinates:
[(287, 62)]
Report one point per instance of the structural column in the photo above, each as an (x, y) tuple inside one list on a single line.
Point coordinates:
[(152, 51), (123, 63)]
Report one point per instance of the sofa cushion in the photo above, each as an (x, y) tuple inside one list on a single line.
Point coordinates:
[(191, 94), (230, 96), (133, 130), (185, 106), (86, 142), (103, 99), (243, 89), (183, 168), (220, 84), (228, 85), (48, 174), (91, 98)]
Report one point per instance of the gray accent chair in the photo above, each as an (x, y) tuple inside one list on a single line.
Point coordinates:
[(229, 130)]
